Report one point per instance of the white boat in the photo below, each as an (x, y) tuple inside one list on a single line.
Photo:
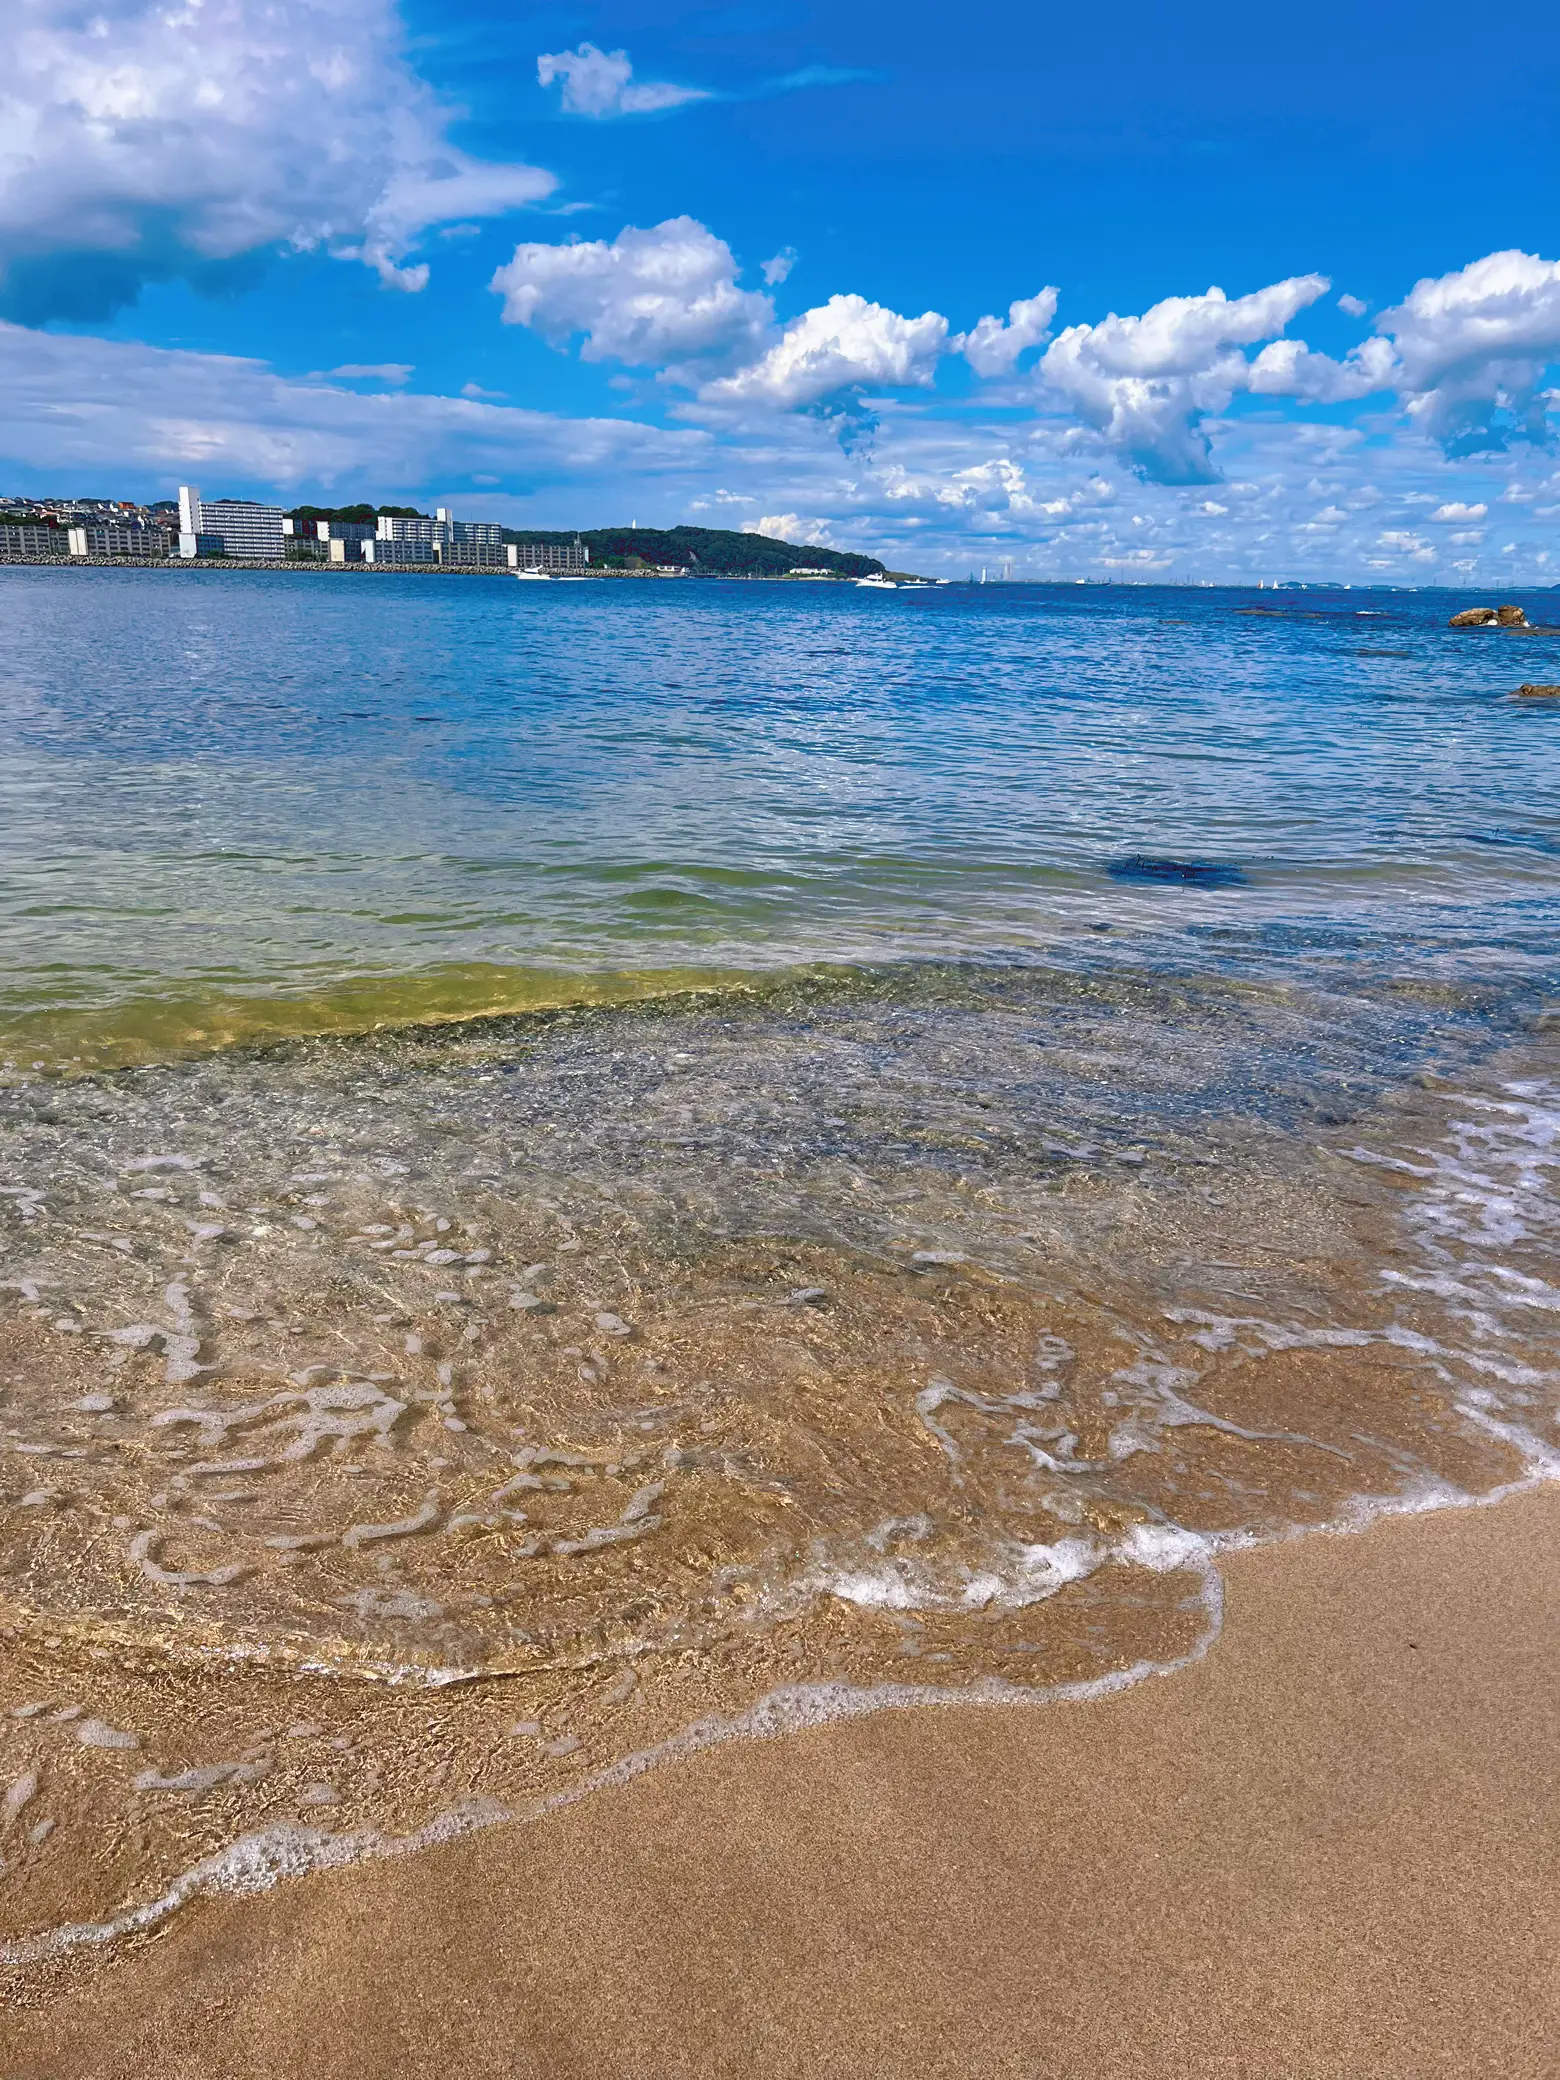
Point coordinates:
[(876, 583), (541, 577)]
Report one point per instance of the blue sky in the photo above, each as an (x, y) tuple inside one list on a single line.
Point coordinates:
[(887, 277)]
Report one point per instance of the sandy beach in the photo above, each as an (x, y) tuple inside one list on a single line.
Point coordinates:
[(1329, 1848)]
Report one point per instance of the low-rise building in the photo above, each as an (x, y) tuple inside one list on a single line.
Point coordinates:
[(548, 556), (473, 555), (26, 543), (414, 552), (144, 543)]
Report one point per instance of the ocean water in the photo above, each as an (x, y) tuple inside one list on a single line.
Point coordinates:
[(588, 1170)]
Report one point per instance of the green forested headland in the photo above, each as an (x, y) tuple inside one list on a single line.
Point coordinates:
[(716, 550)]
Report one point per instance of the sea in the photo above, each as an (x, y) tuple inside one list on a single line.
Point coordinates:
[(591, 1169)]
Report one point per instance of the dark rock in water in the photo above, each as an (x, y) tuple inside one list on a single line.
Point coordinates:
[(1523, 841), (1538, 693), (1475, 617), (1511, 617), (1193, 873)]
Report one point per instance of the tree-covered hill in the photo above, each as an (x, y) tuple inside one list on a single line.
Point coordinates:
[(716, 550)]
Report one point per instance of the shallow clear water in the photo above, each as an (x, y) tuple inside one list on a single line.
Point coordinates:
[(1092, 1100), (383, 797)]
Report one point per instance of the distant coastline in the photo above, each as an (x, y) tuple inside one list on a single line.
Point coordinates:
[(423, 570)]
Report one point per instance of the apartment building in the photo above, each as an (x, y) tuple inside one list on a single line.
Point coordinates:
[(466, 555), (25, 543), (442, 530), (408, 549), (398, 528), (116, 540), (446, 528), (549, 556), (237, 527)]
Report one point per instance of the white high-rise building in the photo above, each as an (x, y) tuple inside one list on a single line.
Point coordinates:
[(394, 527), (247, 529), (446, 528), (229, 527)]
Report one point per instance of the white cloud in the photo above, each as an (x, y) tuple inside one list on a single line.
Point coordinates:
[(1147, 383), (1472, 348), (1352, 306), (667, 298), (375, 371), (992, 348), (778, 269), (143, 139), (72, 405), (656, 298), (1455, 511), (793, 528), (844, 344), (1288, 368), (600, 83), (1145, 563)]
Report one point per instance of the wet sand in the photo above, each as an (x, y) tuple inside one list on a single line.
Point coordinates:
[(1328, 1848)]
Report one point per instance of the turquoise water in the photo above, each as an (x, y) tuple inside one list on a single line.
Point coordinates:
[(245, 802)]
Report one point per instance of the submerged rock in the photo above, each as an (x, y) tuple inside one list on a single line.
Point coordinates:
[(1538, 693), (1194, 873)]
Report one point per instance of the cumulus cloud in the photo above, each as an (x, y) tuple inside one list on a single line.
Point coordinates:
[(75, 406), (992, 348), (1147, 383), (1455, 511), (843, 345), (663, 297), (778, 269), (1466, 354), (1351, 306), (601, 83), (668, 298), (1472, 348), (799, 531), (146, 139), (1288, 368)]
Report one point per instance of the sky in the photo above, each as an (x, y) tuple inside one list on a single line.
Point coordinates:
[(1173, 292)]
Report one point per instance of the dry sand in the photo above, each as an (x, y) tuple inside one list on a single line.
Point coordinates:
[(1329, 1848)]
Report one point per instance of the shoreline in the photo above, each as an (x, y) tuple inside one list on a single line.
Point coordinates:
[(1046, 584), (1328, 1839)]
